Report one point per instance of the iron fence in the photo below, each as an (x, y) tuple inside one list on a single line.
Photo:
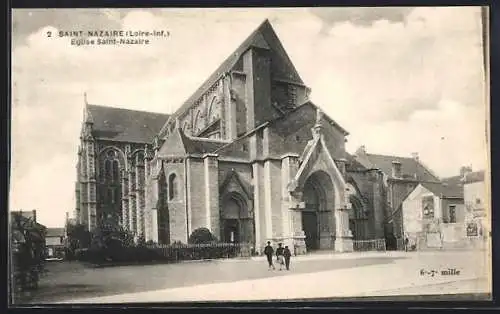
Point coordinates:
[(178, 252), (369, 245), (400, 244)]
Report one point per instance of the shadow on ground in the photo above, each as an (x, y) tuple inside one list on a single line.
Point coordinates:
[(66, 281)]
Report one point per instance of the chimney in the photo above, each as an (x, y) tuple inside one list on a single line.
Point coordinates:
[(396, 169), (34, 215), (361, 150), (415, 156), (464, 171)]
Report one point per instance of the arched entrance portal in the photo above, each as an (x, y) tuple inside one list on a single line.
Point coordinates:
[(317, 216), (358, 219), (237, 224)]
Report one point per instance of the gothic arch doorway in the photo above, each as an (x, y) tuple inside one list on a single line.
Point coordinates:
[(317, 214), (236, 222), (358, 220)]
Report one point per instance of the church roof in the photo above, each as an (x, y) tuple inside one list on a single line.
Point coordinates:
[(295, 116), (263, 37), (125, 125), (409, 166)]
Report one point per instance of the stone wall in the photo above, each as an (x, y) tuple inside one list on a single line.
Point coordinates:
[(177, 205)]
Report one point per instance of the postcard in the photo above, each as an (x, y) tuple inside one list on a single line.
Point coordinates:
[(249, 154)]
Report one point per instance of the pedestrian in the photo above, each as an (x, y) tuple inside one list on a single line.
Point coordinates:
[(268, 251), (279, 255), (287, 254), (406, 244)]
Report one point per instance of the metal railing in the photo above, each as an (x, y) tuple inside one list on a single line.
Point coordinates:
[(400, 244), (369, 245), (178, 252)]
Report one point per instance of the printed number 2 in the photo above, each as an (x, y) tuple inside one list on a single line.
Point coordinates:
[(49, 34)]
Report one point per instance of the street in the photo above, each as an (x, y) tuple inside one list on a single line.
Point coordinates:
[(312, 276)]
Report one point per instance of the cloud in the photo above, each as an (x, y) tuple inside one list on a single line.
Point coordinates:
[(359, 16), (398, 81), (447, 136), (392, 69), (28, 21)]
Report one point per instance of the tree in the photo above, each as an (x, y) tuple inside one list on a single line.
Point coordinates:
[(201, 236), (111, 236), (28, 251)]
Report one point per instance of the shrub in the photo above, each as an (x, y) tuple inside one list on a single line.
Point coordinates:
[(201, 236)]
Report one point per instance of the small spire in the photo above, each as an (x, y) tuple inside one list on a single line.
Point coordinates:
[(319, 115), (85, 98), (318, 126)]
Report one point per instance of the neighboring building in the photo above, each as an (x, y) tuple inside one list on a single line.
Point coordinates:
[(55, 242), (476, 202), (23, 228), (401, 175), (434, 216), (247, 156)]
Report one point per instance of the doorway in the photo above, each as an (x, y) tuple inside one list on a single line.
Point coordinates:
[(310, 227), (316, 216), (231, 231)]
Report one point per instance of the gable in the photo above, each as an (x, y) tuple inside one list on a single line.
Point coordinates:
[(417, 193), (173, 145), (263, 37), (316, 157)]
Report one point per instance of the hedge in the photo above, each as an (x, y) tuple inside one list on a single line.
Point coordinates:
[(161, 253)]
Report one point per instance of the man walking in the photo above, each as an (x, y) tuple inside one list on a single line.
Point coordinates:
[(279, 255), (287, 254), (268, 251)]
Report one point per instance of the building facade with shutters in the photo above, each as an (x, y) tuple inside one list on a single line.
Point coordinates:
[(248, 156)]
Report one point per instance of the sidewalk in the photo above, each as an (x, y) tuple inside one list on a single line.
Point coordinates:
[(323, 255), (384, 279)]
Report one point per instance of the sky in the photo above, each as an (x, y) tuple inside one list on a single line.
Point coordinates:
[(400, 80)]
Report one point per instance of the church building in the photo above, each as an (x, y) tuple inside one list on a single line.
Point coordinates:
[(247, 156)]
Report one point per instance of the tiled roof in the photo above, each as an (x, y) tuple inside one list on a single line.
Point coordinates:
[(201, 145), (409, 166), (125, 125), (472, 177), (352, 163), (179, 144), (55, 232), (233, 148), (445, 190), (455, 180), (263, 37)]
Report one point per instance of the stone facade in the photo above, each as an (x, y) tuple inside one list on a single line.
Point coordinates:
[(247, 156)]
